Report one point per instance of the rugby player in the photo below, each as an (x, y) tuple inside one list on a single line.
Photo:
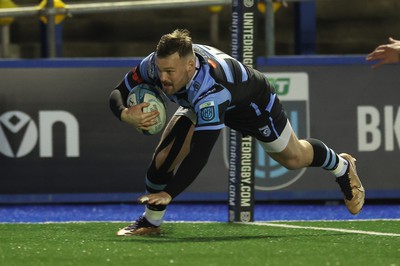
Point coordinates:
[(213, 90)]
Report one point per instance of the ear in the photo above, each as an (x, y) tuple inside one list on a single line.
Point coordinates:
[(191, 64)]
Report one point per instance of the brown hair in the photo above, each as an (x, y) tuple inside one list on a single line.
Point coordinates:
[(177, 41)]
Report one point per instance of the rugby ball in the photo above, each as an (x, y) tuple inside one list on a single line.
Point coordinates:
[(148, 93)]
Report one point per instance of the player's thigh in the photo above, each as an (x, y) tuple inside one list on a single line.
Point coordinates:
[(296, 154)]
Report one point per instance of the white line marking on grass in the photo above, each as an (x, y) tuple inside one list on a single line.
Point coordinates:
[(328, 229)]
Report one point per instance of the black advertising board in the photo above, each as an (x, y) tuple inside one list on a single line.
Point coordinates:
[(58, 135)]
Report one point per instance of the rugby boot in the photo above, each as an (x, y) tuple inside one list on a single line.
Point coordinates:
[(140, 227), (352, 189)]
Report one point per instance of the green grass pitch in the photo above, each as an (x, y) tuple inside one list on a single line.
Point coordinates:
[(295, 243)]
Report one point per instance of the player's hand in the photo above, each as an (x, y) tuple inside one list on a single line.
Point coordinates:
[(385, 53), (135, 116), (160, 198)]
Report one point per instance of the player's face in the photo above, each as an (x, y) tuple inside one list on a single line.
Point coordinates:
[(174, 72)]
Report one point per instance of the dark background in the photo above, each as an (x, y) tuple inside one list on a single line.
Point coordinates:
[(342, 27)]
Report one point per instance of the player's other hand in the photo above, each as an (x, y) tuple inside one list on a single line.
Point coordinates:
[(160, 198), (385, 53), (135, 116)]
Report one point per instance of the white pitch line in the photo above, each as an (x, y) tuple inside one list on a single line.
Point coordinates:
[(328, 229)]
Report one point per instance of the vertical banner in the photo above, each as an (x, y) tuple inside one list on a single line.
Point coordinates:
[(242, 149)]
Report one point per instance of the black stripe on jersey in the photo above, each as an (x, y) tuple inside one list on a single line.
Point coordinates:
[(236, 70), (218, 73), (216, 70)]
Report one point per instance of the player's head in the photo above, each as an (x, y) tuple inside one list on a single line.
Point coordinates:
[(175, 60)]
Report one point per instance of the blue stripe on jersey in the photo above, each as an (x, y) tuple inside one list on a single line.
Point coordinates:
[(128, 86), (256, 109), (228, 73), (273, 127), (244, 73), (220, 58), (147, 68), (271, 102)]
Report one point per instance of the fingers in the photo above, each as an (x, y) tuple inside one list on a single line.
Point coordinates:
[(143, 200), (376, 54), (150, 115), (159, 201), (381, 61), (143, 120), (378, 65), (385, 53), (391, 40), (142, 105), (161, 198), (147, 115), (150, 199), (135, 116), (148, 119)]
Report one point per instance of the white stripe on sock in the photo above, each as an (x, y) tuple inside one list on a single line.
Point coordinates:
[(341, 168), (154, 217)]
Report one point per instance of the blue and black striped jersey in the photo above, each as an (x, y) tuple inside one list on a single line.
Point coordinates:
[(221, 84), (222, 92)]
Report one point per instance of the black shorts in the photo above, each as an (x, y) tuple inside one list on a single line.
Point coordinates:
[(264, 119), (260, 115)]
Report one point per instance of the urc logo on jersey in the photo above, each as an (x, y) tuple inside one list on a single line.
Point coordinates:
[(17, 123)]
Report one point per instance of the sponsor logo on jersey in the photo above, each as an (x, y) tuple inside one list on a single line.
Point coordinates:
[(207, 93)]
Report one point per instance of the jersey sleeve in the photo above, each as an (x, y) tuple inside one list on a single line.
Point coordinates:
[(210, 109), (144, 72)]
